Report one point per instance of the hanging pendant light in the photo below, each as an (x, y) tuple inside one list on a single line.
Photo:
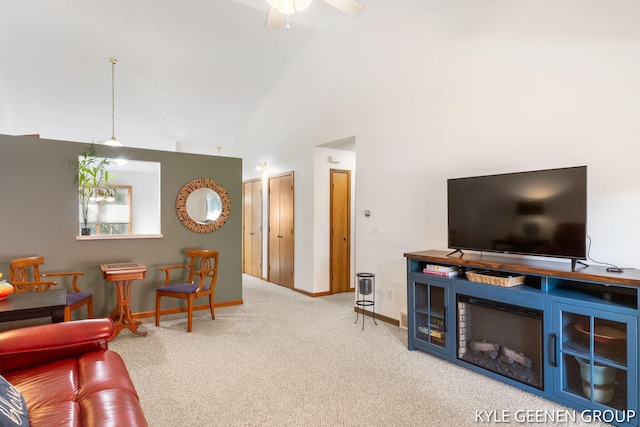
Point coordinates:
[(113, 141)]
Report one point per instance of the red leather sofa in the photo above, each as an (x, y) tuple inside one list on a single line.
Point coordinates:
[(68, 376)]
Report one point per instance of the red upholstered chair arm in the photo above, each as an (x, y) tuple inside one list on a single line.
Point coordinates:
[(35, 345)]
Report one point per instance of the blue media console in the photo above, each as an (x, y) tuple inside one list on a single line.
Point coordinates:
[(569, 336)]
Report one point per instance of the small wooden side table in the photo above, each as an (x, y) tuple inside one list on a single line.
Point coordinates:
[(123, 275)]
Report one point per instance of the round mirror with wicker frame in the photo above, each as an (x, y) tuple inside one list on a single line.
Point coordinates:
[(203, 205)]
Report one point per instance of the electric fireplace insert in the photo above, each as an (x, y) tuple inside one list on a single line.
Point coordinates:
[(502, 338)]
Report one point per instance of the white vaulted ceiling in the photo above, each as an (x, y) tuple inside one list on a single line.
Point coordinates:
[(189, 71)]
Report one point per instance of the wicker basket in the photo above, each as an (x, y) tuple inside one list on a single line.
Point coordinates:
[(494, 278)]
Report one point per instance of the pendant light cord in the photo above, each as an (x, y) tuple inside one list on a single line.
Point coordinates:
[(113, 96)]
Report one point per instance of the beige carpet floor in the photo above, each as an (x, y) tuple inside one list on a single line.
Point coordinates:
[(286, 359)]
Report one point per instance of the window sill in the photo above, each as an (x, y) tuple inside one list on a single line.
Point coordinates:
[(119, 236)]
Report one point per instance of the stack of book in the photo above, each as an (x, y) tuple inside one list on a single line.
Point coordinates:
[(440, 270), (433, 327)]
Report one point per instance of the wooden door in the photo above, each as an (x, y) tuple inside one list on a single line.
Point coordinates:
[(281, 230), (252, 228), (274, 230), (340, 226), (286, 230)]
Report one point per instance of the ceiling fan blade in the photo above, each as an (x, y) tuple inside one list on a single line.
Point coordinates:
[(275, 19), (350, 8)]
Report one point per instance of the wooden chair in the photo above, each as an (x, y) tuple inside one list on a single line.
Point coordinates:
[(202, 277), (25, 277)]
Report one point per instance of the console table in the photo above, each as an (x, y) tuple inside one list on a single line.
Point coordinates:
[(569, 336), (123, 275)]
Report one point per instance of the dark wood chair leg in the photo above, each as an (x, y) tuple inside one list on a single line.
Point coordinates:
[(158, 309), (190, 313)]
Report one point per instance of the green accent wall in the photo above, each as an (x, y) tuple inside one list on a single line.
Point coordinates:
[(39, 216)]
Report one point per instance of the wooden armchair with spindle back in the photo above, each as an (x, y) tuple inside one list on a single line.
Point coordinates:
[(202, 269), (26, 277)]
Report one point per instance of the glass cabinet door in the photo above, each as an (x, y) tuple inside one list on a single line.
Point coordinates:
[(430, 324), (596, 364)]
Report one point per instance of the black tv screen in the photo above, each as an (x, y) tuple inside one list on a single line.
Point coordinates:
[(531, 213)]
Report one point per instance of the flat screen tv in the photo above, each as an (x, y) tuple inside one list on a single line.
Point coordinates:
[(540, 212)]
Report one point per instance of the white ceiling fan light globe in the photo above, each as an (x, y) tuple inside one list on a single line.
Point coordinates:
[(289, 7), (286, 7), (302, 4)]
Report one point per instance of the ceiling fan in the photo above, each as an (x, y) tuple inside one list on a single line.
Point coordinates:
[(280, 10)]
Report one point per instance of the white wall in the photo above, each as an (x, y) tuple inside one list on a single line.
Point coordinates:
[(145, 199), (503, 86), (188, 72)]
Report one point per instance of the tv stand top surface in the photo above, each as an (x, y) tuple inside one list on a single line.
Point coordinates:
[(529, 266)]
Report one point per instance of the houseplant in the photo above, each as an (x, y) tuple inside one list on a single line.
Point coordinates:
[(93, 181)]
